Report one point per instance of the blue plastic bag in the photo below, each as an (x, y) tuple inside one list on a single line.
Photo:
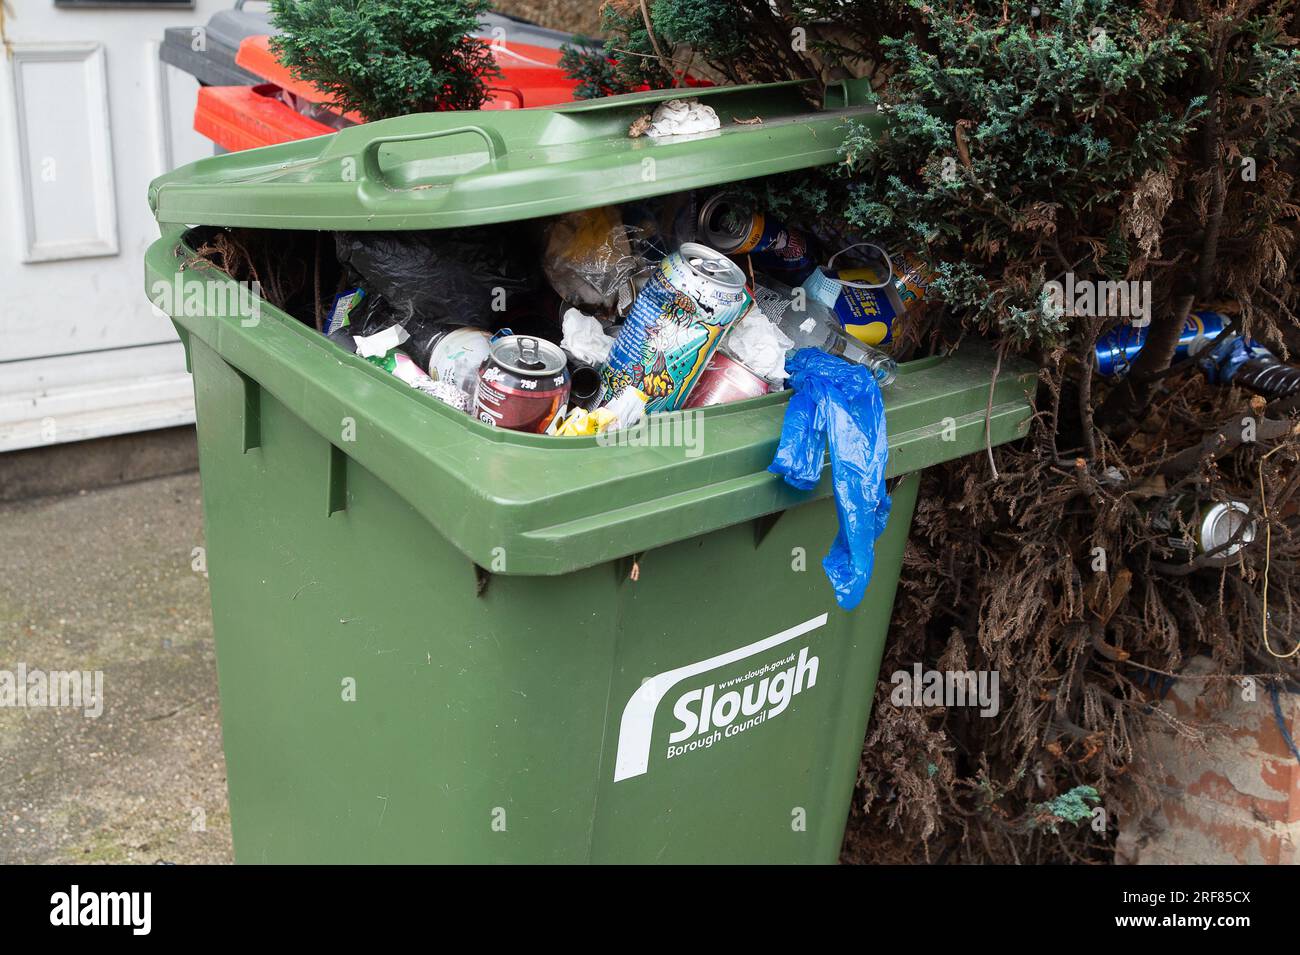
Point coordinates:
[(839, 400)]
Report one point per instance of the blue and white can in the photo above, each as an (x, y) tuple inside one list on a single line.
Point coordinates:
[(1117, 349), (674, 326)]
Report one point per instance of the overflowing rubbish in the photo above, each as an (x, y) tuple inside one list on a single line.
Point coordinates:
[(403, 367), (584, 338), (382, 349), (1116, 350), (724, 380), (758, 343), (341, 310), (455, 355), (624, 411), (729, 225), (434, 278), (810, 324), (381, 343), (584, 384), (590, 261), (582, 326), (452, 395), (868, 300), (584, 323), (839, 402), (627, 408)]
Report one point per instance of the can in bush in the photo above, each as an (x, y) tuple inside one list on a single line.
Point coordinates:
[(1117, 348), (1196, 528)]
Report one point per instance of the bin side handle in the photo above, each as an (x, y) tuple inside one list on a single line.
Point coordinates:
[(251, 430), (336, 481)]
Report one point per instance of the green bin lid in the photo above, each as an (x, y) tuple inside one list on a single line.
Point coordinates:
[(453, 169)]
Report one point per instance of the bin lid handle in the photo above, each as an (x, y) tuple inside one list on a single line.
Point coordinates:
[(369, 153)]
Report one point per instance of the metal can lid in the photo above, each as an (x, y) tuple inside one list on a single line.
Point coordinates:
[(711, 265), (527, 355), (1220, 523)]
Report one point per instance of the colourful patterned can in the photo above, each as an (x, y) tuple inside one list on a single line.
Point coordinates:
[(674, 327)]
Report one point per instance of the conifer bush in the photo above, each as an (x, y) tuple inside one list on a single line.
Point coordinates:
[(383, 58), (1107, 140)]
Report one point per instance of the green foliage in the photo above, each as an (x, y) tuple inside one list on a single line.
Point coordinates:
[(743, 41), (1073, 807), (627, 63), (715, 25), (596, 73), (1002, 135), (383, 58)]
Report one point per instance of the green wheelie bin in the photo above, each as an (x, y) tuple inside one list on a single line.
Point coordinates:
[(442, 642)]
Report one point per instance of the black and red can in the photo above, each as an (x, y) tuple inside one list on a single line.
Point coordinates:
[(522, 385)]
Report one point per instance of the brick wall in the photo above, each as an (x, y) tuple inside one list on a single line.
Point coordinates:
[(1232, 798)]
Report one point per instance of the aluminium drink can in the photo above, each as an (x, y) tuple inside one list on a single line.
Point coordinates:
[(674, 327), (868, 314), (1117, 348), (523, 385), (456, 355), (724, 380), (727, 225), (1200, 528)]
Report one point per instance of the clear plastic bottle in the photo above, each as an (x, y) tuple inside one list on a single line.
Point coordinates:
[(812, 325)]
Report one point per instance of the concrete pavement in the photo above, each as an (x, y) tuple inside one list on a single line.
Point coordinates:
[(103, 581)]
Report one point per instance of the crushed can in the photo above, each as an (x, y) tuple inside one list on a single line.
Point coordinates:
[(728, 226), (1118, 347), (868, 300), (1195, 528)]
